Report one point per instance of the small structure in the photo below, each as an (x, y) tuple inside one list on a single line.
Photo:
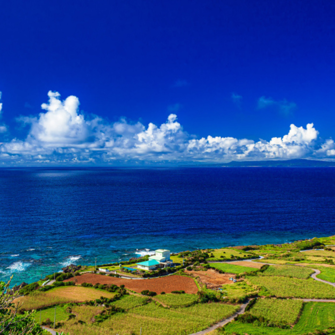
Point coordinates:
[(148, 265), (103, 270), (162, 255)]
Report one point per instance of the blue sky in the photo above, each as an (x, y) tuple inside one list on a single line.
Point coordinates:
[(166, 81)]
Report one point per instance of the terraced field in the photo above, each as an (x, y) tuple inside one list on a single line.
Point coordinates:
[(177, 300), (278, 310), (151, 319), (315, 316), (61, 295), (231, 268), (293, 288), (288, 271)]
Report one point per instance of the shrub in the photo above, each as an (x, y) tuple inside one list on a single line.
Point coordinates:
[(163, 292), (148, 293), (178, 292), (28, 289)]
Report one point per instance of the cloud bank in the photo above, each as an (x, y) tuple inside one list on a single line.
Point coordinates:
[(61, 134)]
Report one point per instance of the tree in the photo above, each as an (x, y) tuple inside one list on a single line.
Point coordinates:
[(11, 321)]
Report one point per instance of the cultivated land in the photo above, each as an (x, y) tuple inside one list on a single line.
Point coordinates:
[(280, 292), (158, 285)]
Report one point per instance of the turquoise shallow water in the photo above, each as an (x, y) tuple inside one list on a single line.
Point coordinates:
[(51, 218)]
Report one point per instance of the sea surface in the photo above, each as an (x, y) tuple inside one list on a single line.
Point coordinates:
[(50, 218)]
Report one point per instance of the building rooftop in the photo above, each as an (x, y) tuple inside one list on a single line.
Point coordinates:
[(149, 263), (162, 250)]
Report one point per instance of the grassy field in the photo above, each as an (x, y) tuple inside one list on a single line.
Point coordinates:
[(151, 318), (315, 316), (237, 290), (227, 253), (177, 300), (130, 301), (327, 273), (320, 253), (231, 268), (61, 295), (49, 313), (288, 271), (293, 287), (277, 310)]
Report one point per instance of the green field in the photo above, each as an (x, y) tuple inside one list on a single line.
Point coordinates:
[(49, 313), (277, 310), (319, 253), (231, 268), (288, 271), (177, 300), (237, 290), (227, 253), (315, 316), (327, 273), (294, 288), (61, 295), (130, 301), (151, 318)]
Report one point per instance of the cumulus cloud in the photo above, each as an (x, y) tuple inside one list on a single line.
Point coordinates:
[(283, 106), (62, 134)]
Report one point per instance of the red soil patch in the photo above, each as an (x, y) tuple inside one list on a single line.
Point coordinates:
[(211, 278), (158, 285)]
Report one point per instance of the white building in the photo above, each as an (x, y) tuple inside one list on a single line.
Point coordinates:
[(162, 255)]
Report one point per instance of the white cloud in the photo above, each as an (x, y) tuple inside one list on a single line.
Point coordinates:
[(61, 134), (284, 106)]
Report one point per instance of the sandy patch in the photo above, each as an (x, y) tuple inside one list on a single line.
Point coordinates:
[(212, 278)]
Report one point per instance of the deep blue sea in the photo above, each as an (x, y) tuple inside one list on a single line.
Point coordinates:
[(50, 218)]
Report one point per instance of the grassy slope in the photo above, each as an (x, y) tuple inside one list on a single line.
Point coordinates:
[(315, 316), (231, 268), (152, 319), (277, 310), (49, 313), (237, 290), (61, 295), (177, 300), (294, 288), (288, 271)]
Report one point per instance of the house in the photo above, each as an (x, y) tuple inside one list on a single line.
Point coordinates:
[(148, 265), (161, 256)]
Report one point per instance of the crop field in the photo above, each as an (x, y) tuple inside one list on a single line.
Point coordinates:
[(321, 253), (293, 287), (250, 264), (49, 313), (176, 300), (61, 295), (288, 271), (227, 253), (231, 268), (327, 273), (316, 315), (158, 285), (238, 290), (277, 310), (151, 318), (130, 301)]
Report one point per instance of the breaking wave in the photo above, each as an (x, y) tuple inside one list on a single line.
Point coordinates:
[(70, 260), (18, 267)]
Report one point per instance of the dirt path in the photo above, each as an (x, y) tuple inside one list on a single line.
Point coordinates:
[(223, 322), (50, 330), (317, 272)]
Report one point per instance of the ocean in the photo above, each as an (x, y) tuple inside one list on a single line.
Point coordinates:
[(50, 218)]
